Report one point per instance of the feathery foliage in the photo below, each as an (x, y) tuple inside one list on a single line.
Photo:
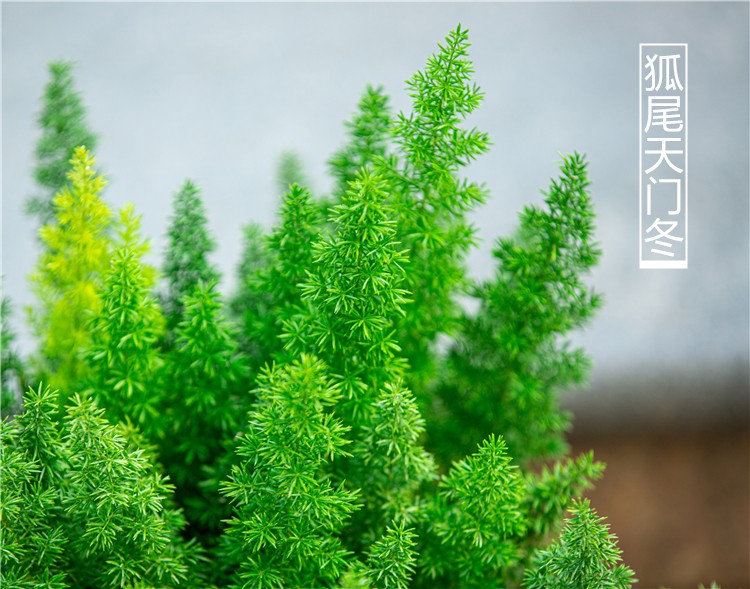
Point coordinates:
[(354, 294), (368, 134), (432, 201), (353, 297), (474, 523), (205, 401), (76, 249), (585, 557), (123, 358), (186, 258), (392, 559), (550, 492), (250, 305), (511, 359), (290, 172), (64, 128), (81, 506), (12, 368), (292, 422), (287, 511), (278, 283)]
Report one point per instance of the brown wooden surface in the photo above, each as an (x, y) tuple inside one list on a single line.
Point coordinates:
[(679, 501)]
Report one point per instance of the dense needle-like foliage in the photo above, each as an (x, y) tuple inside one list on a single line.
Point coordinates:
[(274, 289), (82, 506), (368, 134), (474, 523), (76, 250), (64, 128), (511, 359), (250, 304), (431, 199), (123, 361), (290, 172), (12, 370), (353, 294), (186, 258), (204, 404), (287, 511), (354, 291), (294, 423), (585, 556)]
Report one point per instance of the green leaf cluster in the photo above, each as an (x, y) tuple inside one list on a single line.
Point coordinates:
[(432, 200), (313, 432), (64, 128), (12, 368), (511, 359), (369, 132), (76, 250), (82, 506), (287, 510), (474, 523), (586, 556), (204, 403), (124, 363), (186, 261)]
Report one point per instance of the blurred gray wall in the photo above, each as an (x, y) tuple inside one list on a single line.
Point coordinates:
[(215, 92)]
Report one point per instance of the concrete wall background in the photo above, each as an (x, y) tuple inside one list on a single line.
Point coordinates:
[(216, 92)]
